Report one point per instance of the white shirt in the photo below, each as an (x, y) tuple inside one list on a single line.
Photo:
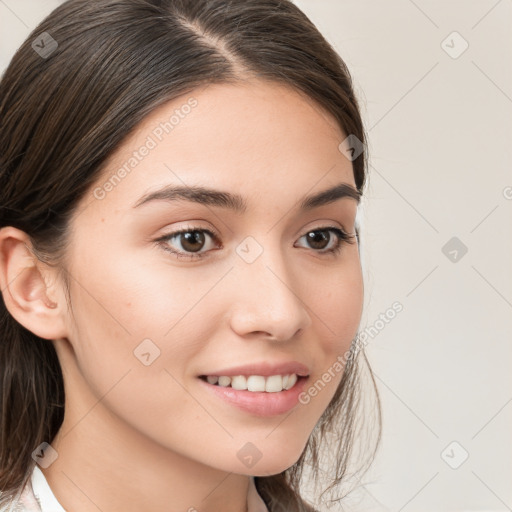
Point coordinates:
[(38, 497)]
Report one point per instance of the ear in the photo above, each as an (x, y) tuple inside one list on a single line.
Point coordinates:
[(30, 288)]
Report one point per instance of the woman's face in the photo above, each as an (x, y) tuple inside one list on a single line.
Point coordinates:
[(254, 285)]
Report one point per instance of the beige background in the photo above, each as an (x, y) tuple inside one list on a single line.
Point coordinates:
[(440, 127)]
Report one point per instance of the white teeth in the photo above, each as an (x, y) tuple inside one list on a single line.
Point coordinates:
[(274, 383), (256, 383), (292, 379), (239, 382), (224, 381)]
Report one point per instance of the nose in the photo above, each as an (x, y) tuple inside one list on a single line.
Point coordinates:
[(268, 298)]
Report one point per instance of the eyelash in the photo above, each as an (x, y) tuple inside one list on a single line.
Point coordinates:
[(343, 238)]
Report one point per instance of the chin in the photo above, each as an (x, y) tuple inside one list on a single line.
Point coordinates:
[(279, 463)]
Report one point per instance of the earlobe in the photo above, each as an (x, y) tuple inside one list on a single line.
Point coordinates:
[(23, 281)]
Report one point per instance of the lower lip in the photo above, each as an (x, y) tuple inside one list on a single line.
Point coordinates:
[(260, 403)]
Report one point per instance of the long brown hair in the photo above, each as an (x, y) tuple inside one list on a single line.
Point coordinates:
[(69, 102)]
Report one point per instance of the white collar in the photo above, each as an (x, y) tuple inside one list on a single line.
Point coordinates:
[(43, 493), (48, 502)]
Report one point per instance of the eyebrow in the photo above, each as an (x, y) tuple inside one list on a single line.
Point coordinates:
[(236, 202)]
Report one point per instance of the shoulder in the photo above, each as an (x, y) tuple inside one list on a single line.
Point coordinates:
[(23, 502)]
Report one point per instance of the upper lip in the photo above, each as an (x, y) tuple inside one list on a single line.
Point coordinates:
[(265, 369)]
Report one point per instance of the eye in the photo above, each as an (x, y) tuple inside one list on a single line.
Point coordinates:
[(191, 240), (315, 240)]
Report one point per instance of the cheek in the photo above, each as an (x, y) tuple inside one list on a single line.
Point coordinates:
[(134, 297), (140, 315), (337, 314), (134, 336), (336, 305)]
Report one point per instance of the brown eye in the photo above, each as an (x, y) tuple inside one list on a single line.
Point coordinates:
[(187, 243), (319, 239), (192, 241)]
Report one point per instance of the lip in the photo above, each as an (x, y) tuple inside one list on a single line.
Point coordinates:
[(259, 403), (264, 369)]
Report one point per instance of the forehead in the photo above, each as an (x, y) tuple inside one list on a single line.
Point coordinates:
[(263, 140)]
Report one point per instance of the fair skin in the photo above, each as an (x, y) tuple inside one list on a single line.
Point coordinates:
[(139, 437)]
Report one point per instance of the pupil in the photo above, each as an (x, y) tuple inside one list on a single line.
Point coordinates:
[(193, 237), (313, 235)]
